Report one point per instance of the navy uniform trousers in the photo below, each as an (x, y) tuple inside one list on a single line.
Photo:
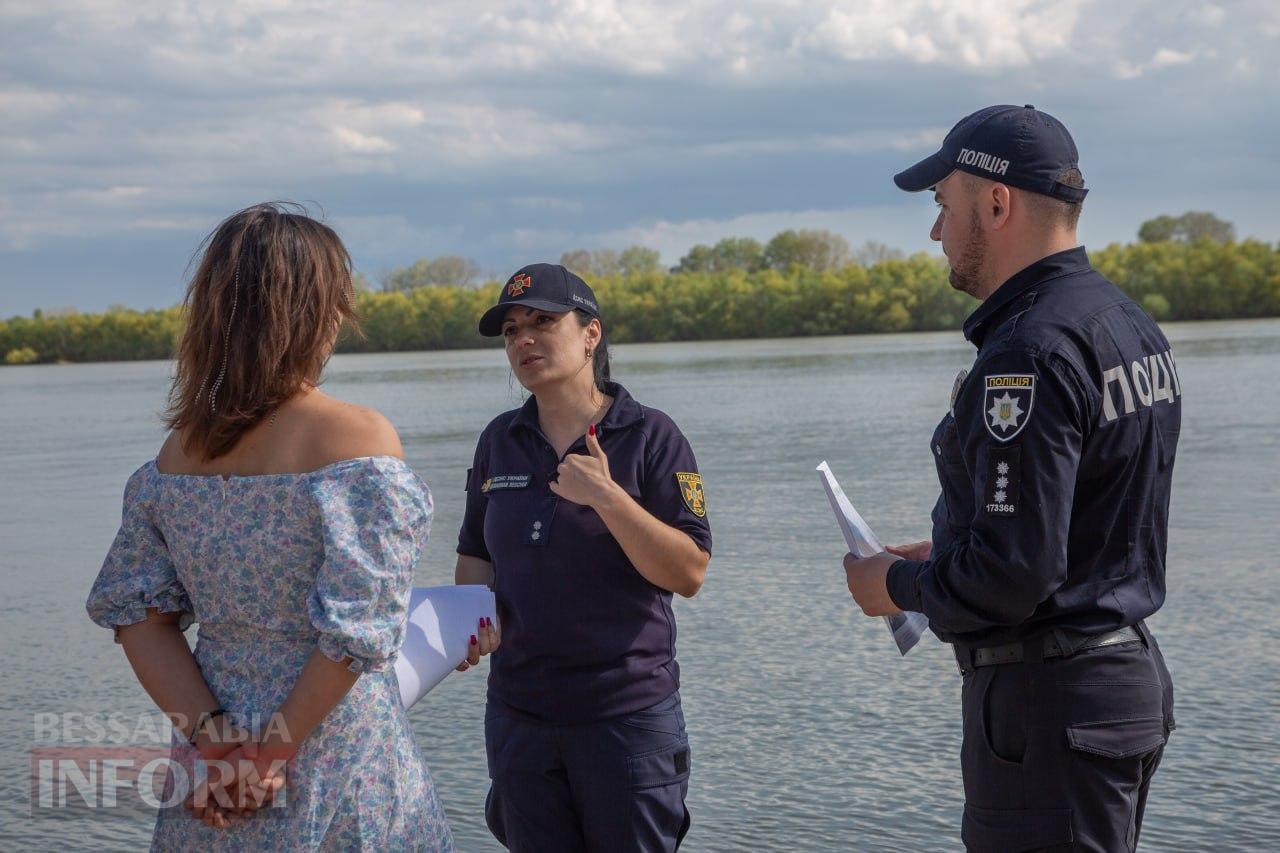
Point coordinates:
[(617, 785), (1058, 754)]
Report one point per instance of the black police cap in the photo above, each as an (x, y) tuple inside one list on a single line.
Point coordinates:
[(546, 287), (1019, 146)]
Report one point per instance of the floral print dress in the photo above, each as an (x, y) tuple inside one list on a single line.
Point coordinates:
[(272, 567)]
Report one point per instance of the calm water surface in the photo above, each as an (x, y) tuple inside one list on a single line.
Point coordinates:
[(808, 731)]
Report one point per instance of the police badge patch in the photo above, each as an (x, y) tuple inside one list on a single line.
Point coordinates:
[(1007, 404), (691, 492)]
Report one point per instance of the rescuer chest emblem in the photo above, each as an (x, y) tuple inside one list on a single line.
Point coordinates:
[(1007, 404), (503, 482)]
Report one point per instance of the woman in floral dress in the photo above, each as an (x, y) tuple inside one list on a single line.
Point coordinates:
[(287, 524)]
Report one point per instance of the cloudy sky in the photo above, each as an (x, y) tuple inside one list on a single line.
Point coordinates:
[(512, 131)]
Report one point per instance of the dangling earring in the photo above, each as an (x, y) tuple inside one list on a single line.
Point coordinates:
[(589, 355)]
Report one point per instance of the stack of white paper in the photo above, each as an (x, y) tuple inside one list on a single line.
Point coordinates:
[(906, 628), (441, 622)]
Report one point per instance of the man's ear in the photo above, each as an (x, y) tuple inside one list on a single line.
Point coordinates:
[(996, 205)]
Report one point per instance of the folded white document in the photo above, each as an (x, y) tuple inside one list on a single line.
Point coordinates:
[(906, 628), (441, 622)]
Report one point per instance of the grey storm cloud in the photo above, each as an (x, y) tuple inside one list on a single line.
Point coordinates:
[(511, 131)]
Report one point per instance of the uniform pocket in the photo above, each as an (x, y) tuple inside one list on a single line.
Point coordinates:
[(658, 768), (1012, 830), (1004, 714), (665, 717), (659, 783), (953, 475), (1118, 738)]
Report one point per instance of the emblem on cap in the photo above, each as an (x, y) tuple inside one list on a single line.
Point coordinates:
[(1008, 404), (519, 284), (691, 491)]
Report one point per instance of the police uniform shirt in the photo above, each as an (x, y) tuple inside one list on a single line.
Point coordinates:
[(1055, 464), (584, 635)]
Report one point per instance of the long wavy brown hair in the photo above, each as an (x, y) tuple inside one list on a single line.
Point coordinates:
[(262, 313)]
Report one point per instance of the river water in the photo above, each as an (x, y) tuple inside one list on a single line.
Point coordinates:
[(809, 732)]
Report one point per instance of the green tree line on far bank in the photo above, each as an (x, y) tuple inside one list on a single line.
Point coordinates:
[(801, 283)]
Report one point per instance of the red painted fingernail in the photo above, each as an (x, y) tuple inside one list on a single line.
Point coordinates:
[(488, 622), (592, 429), (481, 621), (473, 639)]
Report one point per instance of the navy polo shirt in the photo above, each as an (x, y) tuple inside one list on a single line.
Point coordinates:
[(584, 635)]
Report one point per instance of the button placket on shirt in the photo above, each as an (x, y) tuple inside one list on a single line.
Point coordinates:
[(543, 511)]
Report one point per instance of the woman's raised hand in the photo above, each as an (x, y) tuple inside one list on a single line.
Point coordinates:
[(585, 479), (484, 641)]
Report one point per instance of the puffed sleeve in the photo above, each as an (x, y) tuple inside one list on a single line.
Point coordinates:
[(375, 518), (673, 490), (138, 573)]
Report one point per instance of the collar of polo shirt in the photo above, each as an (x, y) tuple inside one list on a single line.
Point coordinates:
[(623, 412)]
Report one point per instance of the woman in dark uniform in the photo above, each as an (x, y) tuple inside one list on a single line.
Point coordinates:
[(585, 512)]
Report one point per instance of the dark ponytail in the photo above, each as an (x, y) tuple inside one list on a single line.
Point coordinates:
[(600, 358)]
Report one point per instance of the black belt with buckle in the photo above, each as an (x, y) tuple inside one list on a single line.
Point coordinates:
[(1012, 652)]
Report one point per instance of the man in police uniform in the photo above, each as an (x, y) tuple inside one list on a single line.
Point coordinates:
[(1048, 545)]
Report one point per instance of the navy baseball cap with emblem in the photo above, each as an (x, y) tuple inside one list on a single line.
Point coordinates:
[(1019, 146), (548, 287)]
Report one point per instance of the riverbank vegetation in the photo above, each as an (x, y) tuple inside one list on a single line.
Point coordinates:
[(800, 283)]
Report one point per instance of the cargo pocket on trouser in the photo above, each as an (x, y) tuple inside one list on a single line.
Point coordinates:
[(1014, 830), (1113, 764), (659, 783), (1118, 738)]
